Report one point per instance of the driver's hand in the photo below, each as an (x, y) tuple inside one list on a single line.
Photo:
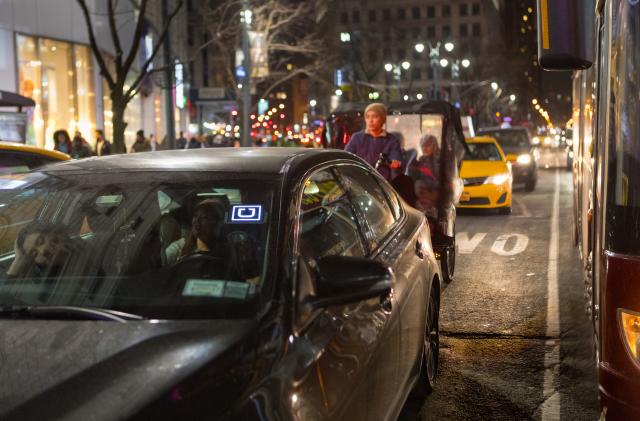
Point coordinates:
[(395, 164)]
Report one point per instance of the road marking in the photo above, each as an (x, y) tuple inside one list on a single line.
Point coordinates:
[(467, 245), (521, 245), (551, 407)]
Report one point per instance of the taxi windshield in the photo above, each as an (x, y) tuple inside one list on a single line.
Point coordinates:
[(508, 138), (158, 245), (482, 152)]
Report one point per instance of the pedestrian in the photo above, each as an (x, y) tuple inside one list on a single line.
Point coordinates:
[(181, 143), (375, 140), (80, 147), (153, 142), (103, 146), (141, 144), (62, 141)]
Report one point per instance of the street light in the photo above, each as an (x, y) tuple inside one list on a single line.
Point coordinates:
[(397, 69), (466, 63), (449, 46), (313, 103), (419, 48), (494, 86), (338, 92), (512, 97), (388, 67), (444, 62), (419, 97), (406, 65)]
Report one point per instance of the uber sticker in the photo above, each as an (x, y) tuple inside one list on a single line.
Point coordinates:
[(236, 290), (203, 288), (242, 214)]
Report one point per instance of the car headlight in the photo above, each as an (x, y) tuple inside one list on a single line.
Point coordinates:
[(498, 179), (524, 159), (630, 328), (536, 140), (547, 140)]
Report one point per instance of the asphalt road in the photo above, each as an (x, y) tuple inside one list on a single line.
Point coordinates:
[(503, 357)]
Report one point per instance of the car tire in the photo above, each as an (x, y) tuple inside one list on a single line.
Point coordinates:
[(431, 348), (530, 185), (448, 263), (505, 211)]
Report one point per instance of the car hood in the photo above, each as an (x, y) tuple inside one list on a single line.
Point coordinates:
[(88, 370), (473, 169)]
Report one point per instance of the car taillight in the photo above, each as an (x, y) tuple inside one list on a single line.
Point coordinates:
[(629, 322)]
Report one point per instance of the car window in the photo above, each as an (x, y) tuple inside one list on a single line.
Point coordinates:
[(482, 152), (508, 138), (328, 223), (167, 245), (15, 163), (368, 197)]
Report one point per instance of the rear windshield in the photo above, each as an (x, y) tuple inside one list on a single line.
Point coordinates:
[(159, 245), (482, 152), (508, 138)]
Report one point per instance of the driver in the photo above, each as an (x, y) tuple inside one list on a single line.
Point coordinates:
[(206, 230), (41, 250)]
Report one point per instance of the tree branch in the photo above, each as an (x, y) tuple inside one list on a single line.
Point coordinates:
[(114, 36), (136, 37), (156, 48), (104, 70)]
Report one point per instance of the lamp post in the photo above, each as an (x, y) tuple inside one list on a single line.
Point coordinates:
[(455, 75), (396, 70), (246, 18)]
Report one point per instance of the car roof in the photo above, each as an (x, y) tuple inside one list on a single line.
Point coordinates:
[(10, 146), (501, 129), (267, 160), (481, 139)]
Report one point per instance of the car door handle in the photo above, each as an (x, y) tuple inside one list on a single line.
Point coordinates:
[(419, 251)]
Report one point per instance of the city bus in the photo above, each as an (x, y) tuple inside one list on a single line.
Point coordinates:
[(600, 42)]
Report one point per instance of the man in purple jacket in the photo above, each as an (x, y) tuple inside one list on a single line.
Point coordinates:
[(370, 143)]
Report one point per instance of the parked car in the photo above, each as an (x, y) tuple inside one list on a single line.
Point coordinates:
[(486, 175), (303, 288), (19, 158), (516, 144)]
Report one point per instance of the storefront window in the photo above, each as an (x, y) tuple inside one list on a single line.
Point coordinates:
[(58, 76), (30, 83)]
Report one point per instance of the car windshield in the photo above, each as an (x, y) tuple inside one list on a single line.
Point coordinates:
[(482, 152), (508, 138), (160, 245)]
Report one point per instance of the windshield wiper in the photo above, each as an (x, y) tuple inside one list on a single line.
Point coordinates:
[(74, 312)]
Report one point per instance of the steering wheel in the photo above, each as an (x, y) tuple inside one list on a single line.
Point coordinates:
[(199, 257)]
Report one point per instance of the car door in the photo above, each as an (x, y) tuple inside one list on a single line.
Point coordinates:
[(353, 344), (393, 239)]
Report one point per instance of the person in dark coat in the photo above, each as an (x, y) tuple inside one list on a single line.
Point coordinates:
[(80, 147), (141, 144), (103, 146)]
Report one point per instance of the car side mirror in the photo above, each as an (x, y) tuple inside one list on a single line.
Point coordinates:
[(512, 157), (565, 34), (344, 280)]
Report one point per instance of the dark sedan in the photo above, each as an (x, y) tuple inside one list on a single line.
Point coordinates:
[(516, 144), (239, 284)]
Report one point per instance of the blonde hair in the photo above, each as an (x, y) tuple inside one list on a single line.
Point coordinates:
[(379, 109)]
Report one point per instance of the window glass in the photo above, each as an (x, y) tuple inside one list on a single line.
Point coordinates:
[(401, 14), (368, 197), (415, 12), (475, 9), (373, 14), (328, 225), (464, 30), (508, 138), (464, 10), (446, 11), (86, 97), (431, 12), (174, 245), (30, 85), (482, 152)]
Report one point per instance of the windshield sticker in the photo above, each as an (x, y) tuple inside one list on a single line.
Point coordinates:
[(236, 290), (243, 214), (203, 288)]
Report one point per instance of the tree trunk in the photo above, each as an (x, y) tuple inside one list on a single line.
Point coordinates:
[(119, 125)]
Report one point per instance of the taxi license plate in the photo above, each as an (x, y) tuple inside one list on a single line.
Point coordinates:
[(465, 196)]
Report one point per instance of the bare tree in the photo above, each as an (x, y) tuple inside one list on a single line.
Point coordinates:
[(122, 93), (292, 43)]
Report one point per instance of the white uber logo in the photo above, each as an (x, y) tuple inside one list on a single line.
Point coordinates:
[(246, 213)]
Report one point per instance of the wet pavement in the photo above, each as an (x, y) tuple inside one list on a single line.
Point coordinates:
[(496, 352)]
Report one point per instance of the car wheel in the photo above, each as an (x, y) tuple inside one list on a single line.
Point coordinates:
[(530, 185), (431, 348), (448, 263), (505, 210)]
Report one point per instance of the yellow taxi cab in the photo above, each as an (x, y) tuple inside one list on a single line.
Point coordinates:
[(19, 158), (486, 175)]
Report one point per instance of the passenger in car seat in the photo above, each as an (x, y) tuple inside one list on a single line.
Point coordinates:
[(206, 230)]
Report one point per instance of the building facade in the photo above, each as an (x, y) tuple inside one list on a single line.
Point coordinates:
[(46, 57), (378, 40)]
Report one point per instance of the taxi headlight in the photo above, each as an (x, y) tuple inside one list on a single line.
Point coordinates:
[(630, 331), (498, 179), (524, 159)]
